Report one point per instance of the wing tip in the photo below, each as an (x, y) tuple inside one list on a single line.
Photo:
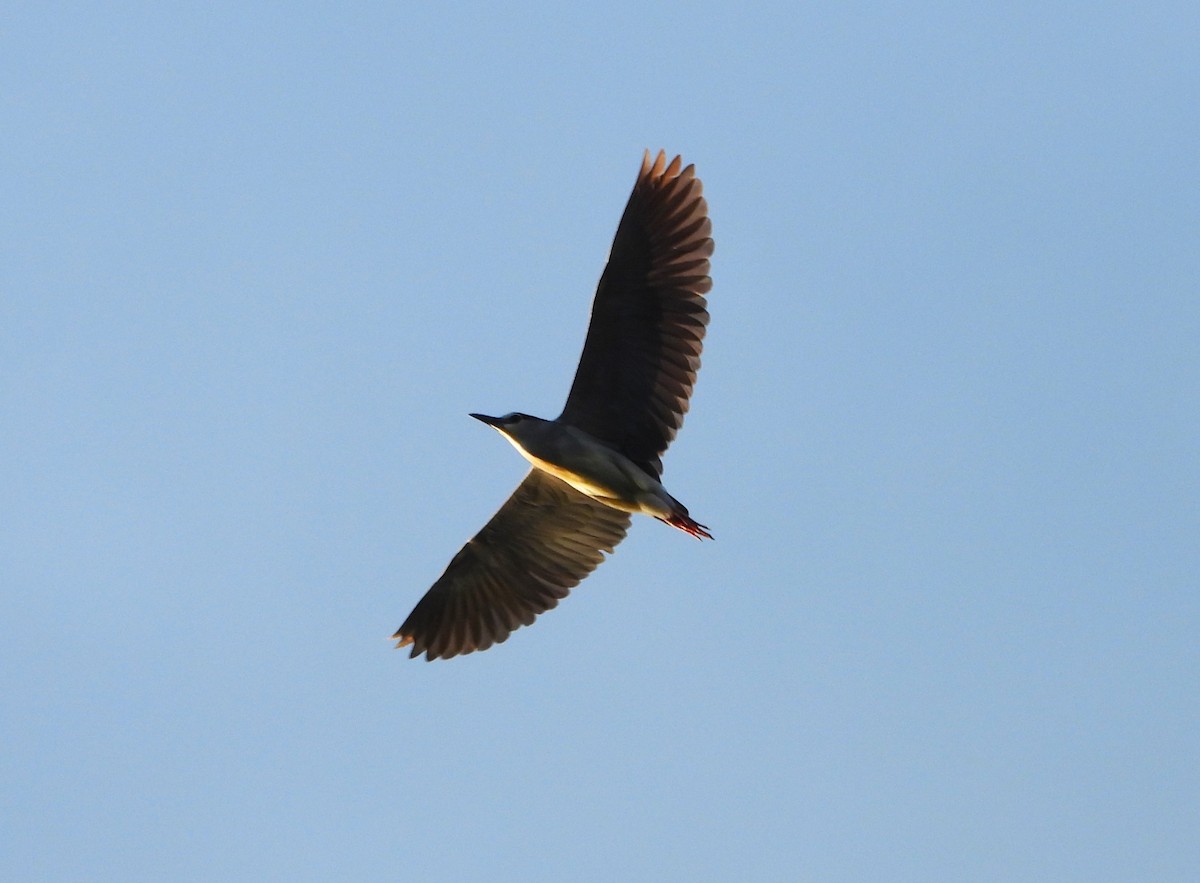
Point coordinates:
[(408, 640), (656, 167)]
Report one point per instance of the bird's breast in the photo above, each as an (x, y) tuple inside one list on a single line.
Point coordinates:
[(591, 468), (589, 478)]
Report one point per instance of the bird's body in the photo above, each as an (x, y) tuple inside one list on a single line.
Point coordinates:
[(592, 467), (598, 462)]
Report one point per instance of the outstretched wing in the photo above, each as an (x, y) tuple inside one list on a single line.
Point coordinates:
[(541, 543), (643, 345)]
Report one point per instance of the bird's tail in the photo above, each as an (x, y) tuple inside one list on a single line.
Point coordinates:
[(679, 518)]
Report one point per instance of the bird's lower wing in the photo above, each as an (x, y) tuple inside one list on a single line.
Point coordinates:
[(536, 548)]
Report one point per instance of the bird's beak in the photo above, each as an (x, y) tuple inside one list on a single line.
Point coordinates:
[(490, 421)]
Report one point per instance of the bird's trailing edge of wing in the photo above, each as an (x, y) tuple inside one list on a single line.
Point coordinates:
[(642, 351), (540, 544)]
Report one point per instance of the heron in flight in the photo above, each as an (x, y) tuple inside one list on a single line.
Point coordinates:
[(599, 461)]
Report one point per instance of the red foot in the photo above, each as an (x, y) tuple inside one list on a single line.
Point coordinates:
[(685, 523)]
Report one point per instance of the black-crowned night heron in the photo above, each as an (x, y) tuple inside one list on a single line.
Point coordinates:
[(599, 460)]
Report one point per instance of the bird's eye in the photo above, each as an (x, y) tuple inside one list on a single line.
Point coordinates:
[(515, 418)]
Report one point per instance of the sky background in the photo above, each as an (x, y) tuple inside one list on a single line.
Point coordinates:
[(258, 262)]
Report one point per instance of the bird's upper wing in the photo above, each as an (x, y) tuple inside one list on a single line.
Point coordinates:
[(642, 351), (541, 543)]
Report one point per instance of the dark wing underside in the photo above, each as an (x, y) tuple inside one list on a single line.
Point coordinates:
[(537, 547), (642, 351)]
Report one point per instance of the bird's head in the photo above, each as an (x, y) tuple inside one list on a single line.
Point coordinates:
[(516, 426)]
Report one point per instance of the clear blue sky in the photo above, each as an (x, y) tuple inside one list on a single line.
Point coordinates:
[(257, 266)]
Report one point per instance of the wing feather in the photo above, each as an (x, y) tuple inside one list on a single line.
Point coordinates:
[(541, 543), (642, 352)]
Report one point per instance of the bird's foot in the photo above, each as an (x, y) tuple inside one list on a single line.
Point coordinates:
[(687, 524)]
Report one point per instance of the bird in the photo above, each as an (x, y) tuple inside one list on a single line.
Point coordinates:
[(600, 461)]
